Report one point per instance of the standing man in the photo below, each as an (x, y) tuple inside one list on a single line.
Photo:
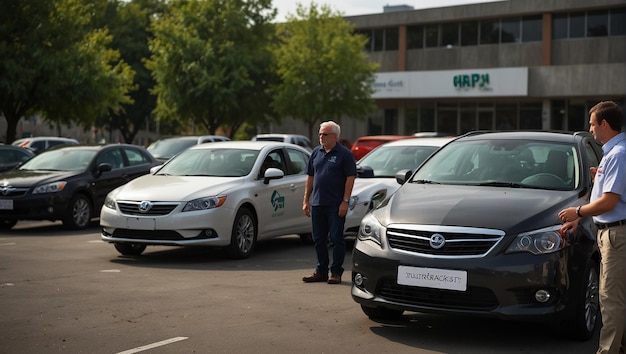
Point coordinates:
[(330, 177), (607, 206)]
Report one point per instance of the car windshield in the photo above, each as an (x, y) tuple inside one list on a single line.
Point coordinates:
[(211, 162), (504, 163), (164, 149), (386, 160), (60, 160)]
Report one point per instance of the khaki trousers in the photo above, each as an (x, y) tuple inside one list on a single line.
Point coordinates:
[(612, 245)]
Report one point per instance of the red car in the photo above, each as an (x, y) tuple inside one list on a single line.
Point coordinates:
[(365, 144)]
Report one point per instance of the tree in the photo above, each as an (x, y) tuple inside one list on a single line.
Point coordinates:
[(212, 63), (324, 72), (55, 64), (129, 24)]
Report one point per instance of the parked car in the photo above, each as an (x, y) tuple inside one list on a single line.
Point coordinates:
[(11, 156), (164, 149), (474, 231), (42, 143), (296, 139), (365, 144), (229, 195), (376, 173), (68, 183)]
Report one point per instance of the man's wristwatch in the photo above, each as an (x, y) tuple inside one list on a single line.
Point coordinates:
[(346, 200), (578, 211)]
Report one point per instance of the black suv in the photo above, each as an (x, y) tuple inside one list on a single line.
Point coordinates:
[(474, 231)]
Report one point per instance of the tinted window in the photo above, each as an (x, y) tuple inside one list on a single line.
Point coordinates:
[(391, 39), (618, 22), (298, 162), (559, 26), (597, 23), (415, 37), (510, 31), (135, 157), (469, 33), (450, 34), (488, 32), (577, 25), (531, 28)]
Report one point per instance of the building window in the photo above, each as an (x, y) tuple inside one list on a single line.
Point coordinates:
[(577, 25), (450, 34), (598, 23), (510, 30), (618, 22), (531, 28), (489, 32), (415, 37), (431, 36), (559, 26), (378, 36), (391, 38), (469, 33)]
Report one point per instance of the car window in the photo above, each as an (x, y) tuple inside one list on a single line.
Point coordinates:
[(214, 162), (527, 163), (38, 146), (135, 157), (298, 161), (385, 161), (594, 161), (60, 160)]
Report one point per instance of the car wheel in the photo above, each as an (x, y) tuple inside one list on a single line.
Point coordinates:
[(583, 325), (307, 238), (243, 235), (6, 224), (79, 213), (130, 249), (381, 313)]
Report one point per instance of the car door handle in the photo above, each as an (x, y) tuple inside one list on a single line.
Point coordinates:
[(293, 187)]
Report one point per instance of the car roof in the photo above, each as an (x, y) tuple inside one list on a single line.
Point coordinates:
[(420, 142), (93, 147), (245, 144), (37, 138), (555, 136), (384, 137)]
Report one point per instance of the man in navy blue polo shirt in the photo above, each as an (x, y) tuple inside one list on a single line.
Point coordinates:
[(330, 177)]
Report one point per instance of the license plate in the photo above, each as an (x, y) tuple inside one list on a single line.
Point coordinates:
[(433, 278), (140, 224), (6, 204)]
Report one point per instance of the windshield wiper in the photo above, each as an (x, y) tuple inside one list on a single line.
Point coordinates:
[(502, 184), (425, 181)]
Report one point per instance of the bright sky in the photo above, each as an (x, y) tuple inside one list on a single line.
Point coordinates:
[(362, 7)]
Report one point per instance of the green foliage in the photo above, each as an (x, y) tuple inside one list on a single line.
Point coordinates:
[(211, 62), (53, 62), (323, 70)]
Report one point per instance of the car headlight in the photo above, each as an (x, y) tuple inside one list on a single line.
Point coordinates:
[(205, 203), (370, 229), (542, 241), (354, 200), (109, 201), (50, 188)]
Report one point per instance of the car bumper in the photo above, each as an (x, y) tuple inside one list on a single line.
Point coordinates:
[(35, 207), (500, 286), (201, 228)]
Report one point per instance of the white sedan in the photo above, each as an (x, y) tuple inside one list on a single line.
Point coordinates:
[(228, 194), (376, 174)]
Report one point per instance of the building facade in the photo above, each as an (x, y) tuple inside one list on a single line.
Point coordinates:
[(517, 64)]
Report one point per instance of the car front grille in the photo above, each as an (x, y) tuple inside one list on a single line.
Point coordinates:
[(156, 209), (459, 242), (477, 299), (13, 191)]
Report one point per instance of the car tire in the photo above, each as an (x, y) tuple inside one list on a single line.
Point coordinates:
[(6, 224), (243, 235), (79, 213), (585, 321), (130, 249), (306, 239), (381, 313)]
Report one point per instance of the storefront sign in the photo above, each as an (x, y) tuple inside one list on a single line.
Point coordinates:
[(452, 83)]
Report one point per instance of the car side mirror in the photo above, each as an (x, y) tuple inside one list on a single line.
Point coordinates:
[(403, 175), (364, 171), (104, 167), (272, 173)]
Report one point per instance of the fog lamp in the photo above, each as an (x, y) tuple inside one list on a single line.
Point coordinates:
[(210, 233), (358, 279), (542, 295)]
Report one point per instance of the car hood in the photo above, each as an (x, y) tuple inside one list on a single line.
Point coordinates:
[(25, 178), (175, 188), (363, 187), (512, 210)]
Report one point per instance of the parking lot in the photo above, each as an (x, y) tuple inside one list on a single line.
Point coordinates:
[(66, 291)]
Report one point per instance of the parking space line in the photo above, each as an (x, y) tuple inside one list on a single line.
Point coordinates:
[(8, 244), (153, 345)]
